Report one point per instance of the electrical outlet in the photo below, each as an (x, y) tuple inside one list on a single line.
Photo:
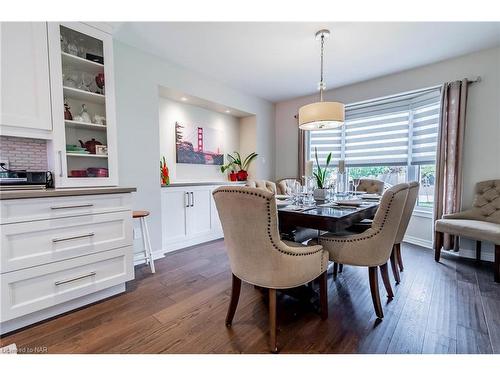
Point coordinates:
[(137, 234)]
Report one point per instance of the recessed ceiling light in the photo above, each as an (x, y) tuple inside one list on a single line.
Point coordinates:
[(184, 98), (228, 111)]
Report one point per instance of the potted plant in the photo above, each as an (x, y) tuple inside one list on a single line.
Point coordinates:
[(164, 173), (242, 165), (233, 176), (320, 175)]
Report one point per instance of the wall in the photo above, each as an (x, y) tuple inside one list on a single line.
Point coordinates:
[(138, 76), (228, 137), (482, 136), (24, 153)]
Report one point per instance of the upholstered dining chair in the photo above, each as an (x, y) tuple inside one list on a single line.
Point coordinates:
[(372, 247), (481, 222), (258, 256), (371, 186), (284, 185), (262, 184)]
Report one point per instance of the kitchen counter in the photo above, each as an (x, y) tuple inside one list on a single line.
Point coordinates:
[(46, 193), (203, 183)]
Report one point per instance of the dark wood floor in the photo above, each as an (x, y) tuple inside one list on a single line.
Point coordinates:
[(451, 307)]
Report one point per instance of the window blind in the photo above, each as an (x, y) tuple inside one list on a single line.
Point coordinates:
[(399, 130)]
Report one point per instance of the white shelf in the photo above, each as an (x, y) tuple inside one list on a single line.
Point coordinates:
[(81, 64), (84, 125), (85, 155), (84, 96)]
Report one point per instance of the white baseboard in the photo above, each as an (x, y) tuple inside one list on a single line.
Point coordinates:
[(418, 241)]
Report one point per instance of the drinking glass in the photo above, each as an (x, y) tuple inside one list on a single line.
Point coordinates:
[(356, 182)]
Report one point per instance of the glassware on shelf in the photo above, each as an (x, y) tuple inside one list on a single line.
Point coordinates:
[(72, 47), (86, 81), (99, 80), (84, 115), (82, 51), (70, 78), (64, 43)]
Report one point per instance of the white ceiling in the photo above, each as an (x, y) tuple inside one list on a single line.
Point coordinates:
[(278, 61)]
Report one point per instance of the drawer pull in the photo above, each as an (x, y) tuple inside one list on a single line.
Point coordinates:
[(75, 278), (73, 206), (91, 234)]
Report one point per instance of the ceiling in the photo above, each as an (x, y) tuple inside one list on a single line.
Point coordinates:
[(280, 60)]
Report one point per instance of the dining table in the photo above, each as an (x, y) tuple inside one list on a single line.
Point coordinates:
[(329, 216)]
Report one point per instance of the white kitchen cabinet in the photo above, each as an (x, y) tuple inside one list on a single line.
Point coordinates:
[(80, 55), (25, 82), (189, 216)]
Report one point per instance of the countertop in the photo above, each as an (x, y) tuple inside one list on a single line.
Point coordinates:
[(47, 193), (203, 183)]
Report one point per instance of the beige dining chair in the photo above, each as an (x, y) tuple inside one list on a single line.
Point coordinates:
[(258, 256), (411, 200), (262, 184), (373, 247), (371, 186), (284, 186)]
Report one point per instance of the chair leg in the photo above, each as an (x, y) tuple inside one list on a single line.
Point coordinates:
[(438, 243), (497, 264), (341, 268), (394, 266), (373, 276), (235, 296), (399, 258), (478, 250), (272, 321), (323, 294), (386, 280), (335, 270)]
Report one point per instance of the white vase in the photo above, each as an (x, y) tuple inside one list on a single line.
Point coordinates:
[(320, 194)]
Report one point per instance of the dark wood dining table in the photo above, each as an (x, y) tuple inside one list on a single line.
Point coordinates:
[(324, 217)]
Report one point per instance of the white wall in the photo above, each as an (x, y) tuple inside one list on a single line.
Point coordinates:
[(228, 137), (482, 136), (138, 76)]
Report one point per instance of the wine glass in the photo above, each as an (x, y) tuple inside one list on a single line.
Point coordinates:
[(356, 182)]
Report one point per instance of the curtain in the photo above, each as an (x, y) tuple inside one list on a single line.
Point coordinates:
[(301, 153), (448, 184)]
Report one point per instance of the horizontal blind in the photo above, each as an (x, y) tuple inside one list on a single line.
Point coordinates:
[(325, 141), (425, 127)]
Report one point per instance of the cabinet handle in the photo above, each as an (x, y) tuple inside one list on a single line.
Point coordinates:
[(72, 206), (60, 164), (75, 278), (188, 200), (91, 234), (192, 199)]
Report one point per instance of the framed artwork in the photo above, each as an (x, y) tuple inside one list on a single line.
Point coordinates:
[(198, 145)]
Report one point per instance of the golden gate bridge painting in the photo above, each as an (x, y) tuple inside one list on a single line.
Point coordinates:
[(198, 145)]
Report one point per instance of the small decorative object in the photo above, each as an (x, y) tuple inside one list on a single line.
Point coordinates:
[(97, 172), (90, 145), (99, 120), (67, 112), (321, 191), (99, 81), (235, 161), (164, 173), (101, 149), (85, 117), (309, 168), (95, 58)]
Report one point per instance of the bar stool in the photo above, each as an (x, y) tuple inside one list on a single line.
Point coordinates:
[(146, 241)]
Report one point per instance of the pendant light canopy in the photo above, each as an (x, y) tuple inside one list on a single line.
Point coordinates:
[(321, 115)]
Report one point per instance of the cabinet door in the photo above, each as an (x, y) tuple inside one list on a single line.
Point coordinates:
[(173, 207), (199, 212), (25, 84), (216, 224), (83, 105)]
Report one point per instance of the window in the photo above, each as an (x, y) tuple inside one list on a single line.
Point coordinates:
[(392, 139)]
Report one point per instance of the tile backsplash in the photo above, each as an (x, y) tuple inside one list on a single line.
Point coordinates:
[(24, 153)]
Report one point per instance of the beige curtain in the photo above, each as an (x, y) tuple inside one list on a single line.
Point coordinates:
[(448, 191), (302, 152)]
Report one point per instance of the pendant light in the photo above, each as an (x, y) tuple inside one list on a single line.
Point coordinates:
[(321, 115)]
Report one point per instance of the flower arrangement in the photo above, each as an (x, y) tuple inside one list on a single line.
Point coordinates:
[(164, 173)]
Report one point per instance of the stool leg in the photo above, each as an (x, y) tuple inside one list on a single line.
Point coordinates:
[(149, 250), (144, 245)]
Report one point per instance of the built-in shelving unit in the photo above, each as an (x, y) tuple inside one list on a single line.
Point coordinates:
[(84, 98)]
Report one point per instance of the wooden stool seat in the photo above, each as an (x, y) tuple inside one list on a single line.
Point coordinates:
[(138, 214), (147, 253)]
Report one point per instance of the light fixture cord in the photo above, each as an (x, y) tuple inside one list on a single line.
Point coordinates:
[(321, 84)]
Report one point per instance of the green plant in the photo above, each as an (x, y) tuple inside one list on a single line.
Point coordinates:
[(321, 173), (236, 161)]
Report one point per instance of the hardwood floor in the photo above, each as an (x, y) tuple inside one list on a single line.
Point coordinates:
[(450, 307)]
